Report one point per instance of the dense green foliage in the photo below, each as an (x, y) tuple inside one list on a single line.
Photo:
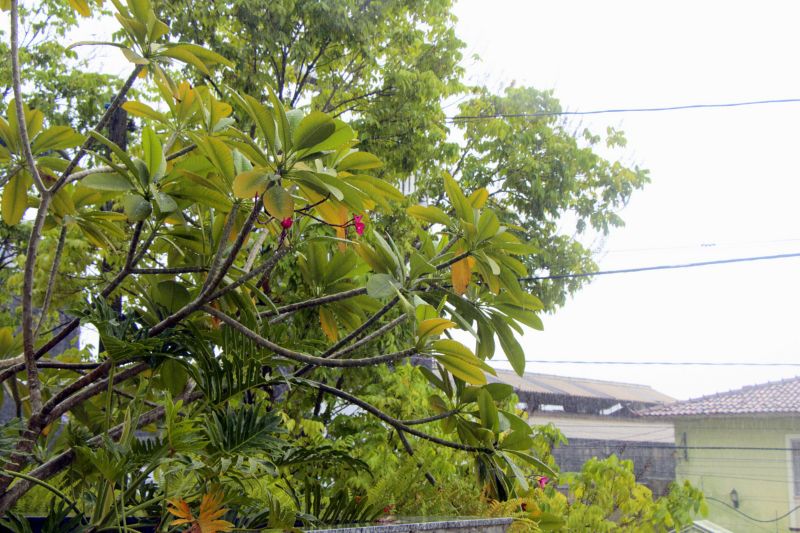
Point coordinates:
[(259, 283)]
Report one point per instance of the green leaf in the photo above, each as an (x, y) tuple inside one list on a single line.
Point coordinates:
[(312, 130), (136, 207), (517, 440), (250, 183), (382, 286), (462, 370), (15, 198), (487, 410), (119, 152), (173, 376), (278, 202), (460, 203), (359, 161), (430, 214), (139, 109), (171, 295), (281, 121), (433, 326), (56, 138), (107, 181), (488, 225), (512, 349), (181, 53), (153, 154), (165, 202)]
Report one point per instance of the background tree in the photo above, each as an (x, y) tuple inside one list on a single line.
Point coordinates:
[(390, 66)]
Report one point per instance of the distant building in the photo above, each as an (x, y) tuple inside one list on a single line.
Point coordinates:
[(742, 449), (599, 419)]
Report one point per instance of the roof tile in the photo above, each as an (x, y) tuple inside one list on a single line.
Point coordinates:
[(772, 397)]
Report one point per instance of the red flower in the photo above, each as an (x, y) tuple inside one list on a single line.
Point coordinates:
[(543, 480), (358, 224), (286, 223)]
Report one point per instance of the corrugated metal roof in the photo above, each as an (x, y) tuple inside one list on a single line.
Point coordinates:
[(774, 397), (581, 387)]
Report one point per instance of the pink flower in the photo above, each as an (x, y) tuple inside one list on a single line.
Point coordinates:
[(286, 223), (358, 224), (543, 480)]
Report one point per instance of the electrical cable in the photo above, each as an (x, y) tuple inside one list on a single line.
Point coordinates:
[(663, 267), (751, 517), (659, 363), (459, 118)]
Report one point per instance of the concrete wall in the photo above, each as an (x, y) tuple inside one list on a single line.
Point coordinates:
[(454, 525), (653, 462), (762, 478)]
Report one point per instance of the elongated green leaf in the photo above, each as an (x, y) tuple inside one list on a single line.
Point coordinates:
[(461, 369), (512, 349), (153, 155), (457, 199), (56, 138), (430, 214), (110, 181), (139, 109), (312, 130), (165, 203), (359, 161), (434, 326), (487, 410)]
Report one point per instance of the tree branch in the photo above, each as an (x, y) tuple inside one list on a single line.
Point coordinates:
[(395, 423), (314, 302), (22, 125), (302, 357), (48, 295)]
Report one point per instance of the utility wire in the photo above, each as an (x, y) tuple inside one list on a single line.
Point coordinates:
[(781, 517), (662, 267), (459, 118), (659, 363), (681, 448)]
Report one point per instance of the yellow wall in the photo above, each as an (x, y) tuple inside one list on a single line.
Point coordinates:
[(761, 477)]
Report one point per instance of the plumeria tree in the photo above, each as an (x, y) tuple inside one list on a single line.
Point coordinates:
[(240, 289)]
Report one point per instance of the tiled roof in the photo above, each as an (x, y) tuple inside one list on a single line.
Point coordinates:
[(773, 397), (581, 387)]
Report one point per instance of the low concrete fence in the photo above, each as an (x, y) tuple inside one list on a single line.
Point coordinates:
[(454, 525)]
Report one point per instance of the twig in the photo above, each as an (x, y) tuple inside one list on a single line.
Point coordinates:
[(48, 295), (291, 308), (395, 423)]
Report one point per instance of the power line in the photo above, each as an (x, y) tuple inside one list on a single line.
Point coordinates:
[(662, 267), (750, 517), (659, 363), (681, 448), (459, 118)]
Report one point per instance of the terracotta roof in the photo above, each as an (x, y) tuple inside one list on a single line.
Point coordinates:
[(773, 397), (581, 387)]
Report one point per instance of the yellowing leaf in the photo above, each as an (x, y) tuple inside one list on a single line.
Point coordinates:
[(15, 198), (278, 202), (434, 326), (461, 272), (82, 7), (328, 322), (142, 110), (250, 183), (208, 519), (478, 197)]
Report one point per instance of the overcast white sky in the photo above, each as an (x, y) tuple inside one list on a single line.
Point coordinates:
[(727, 176)]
